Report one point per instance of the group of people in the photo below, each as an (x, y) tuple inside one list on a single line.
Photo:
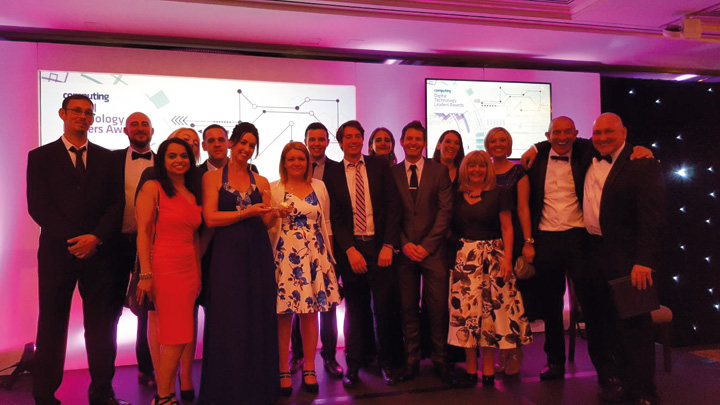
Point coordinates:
[(433, 238)]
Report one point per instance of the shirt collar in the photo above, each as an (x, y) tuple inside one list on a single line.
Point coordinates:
[(347, 163), (321, 161), (69, 145), (553, 153), (420, 164)]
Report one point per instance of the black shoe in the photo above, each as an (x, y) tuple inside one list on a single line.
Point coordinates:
[(332, 368), (285, 391), (552, 371), (186, 395), (488, 380), (115, 401), (350, 379), (411, 370), (612, 391), (147, 380), (467, 380), (444, 372), (387, 376), (309, 387), (296, 364), (168, 400)]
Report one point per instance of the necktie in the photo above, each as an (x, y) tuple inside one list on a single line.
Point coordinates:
[(360, 218), (314, 166), (79, 164), (606, 158), (413, 182), (561, 158), (136, 155)]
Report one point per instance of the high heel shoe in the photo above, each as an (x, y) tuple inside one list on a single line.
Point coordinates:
[(168, 400), (312, 388), (186, 395), (488, 380), (285, 391)]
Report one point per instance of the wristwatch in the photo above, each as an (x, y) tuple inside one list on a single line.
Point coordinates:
[(530, 241)]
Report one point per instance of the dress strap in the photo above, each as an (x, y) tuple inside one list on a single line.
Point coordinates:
[(225, 174), (252, 176)]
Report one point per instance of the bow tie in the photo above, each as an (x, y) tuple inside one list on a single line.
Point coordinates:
[(136, 156), (561, 158), (606, 158)]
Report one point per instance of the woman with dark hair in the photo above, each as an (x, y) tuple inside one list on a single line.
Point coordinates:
[(382, 143), (240, 354), (498, 144), (486, 310), (305, 274), (450, 152), (168, 216)]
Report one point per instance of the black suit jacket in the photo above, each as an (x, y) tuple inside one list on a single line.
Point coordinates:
[(426, 221), (632, 214), (580, 159), (66, 204), (383, 196), (330, 166)]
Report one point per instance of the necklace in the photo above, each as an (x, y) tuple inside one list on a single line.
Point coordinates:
[(471, 195)]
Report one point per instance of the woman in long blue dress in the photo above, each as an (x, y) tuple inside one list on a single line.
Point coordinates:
[(240, 356)]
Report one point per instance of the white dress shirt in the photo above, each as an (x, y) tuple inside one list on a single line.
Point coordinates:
[(69, 145), (561, 207), (594, 183), (420, 164), (350, 177), (133, 171)]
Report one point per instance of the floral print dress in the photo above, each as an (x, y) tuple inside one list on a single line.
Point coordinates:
[(305, 275), (485, 310)]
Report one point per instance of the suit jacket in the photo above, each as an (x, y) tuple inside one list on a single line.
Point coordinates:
[(383, 196), (580, 159), (66, 204), (632, 214), (330, 165), (426, 221)]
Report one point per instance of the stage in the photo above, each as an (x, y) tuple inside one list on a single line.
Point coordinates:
[(693, 380)]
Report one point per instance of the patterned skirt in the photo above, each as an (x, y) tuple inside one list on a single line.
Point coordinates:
[(485, 310)]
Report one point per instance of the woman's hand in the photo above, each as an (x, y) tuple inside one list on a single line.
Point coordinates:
[(257, 210), (506, 268), (144, 288), (284, 212), (528, 252)]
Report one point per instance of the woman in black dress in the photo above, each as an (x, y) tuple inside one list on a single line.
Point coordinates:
[(450, 152)]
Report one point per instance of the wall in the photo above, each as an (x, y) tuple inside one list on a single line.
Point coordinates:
[(387, 96)]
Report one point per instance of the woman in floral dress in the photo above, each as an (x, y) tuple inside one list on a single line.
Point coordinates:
[(305, 274), (485, 308)]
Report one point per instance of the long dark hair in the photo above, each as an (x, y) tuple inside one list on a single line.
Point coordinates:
[(161, 172), (244, 128), (391, 156), (461, 153)]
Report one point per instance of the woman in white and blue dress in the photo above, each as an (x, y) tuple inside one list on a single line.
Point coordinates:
[(303, 258)]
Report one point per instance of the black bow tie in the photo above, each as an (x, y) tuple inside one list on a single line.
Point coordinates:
[(146, 155), (562, 158), (606, 158)]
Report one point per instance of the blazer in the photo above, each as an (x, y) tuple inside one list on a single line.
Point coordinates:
[(426, 221), (65, 204), (383, 196), (277, 192), (632, 214), (330, 165), (580, 159)]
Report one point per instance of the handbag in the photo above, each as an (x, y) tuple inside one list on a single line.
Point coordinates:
[(136, 307), (524, 269)]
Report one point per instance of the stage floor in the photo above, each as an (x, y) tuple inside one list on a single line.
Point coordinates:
[(693, 380)]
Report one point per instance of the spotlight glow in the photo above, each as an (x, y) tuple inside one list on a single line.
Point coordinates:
[(676, 278), (712, 194), (707, 259), (710, 290), (685, 77), (682, 209), (717, 306), (682, 247), (682, 172), (658, 101), (654, 145), (632, 91), (679, 137), (710, 169), (707, 221)]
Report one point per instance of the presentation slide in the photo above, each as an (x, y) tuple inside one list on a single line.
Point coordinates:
[(280, 111), (474, 107)]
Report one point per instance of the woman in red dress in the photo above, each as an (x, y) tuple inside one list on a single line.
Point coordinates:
[(168, 216)]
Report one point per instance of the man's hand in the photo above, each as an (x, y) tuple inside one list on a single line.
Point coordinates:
[(528, 158), (641, 277), (83, 246), (411, 251), (385, 257), (421, 252), (357, 261), (641, 152)]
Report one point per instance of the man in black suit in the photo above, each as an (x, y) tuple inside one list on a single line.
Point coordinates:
[(426, 197), (74, 194), (317, 141), (623, 210), (364, 213), (132, 161), (215, 143)]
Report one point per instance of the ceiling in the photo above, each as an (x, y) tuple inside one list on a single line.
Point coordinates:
[(587, 35)]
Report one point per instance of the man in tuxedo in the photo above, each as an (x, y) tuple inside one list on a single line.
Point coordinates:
[(215, 143), (317, 141), (132, 161), (426, 197), (364, 213), (623, 210), (74, 194)]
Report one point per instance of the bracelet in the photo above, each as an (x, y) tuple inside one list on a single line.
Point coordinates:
[(146, 276)]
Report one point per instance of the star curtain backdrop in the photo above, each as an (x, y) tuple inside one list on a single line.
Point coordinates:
[(680, 122)]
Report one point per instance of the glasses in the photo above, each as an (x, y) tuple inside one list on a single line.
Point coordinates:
[(78, 112)]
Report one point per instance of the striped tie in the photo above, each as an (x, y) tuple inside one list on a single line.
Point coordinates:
[(360, 216)]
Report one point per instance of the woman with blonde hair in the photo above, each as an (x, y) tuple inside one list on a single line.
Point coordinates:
[(486, 310)]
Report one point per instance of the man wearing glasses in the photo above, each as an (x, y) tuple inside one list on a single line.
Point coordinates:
[(75, 195)]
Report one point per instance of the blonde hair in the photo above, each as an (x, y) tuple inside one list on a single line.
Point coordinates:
[(295, 146), (494, 132), (483, 159)]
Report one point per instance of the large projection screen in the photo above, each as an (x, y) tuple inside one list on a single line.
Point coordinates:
[(280, 111), (474, 107)]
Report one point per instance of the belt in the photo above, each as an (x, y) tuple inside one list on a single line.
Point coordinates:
[(364, 238)]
